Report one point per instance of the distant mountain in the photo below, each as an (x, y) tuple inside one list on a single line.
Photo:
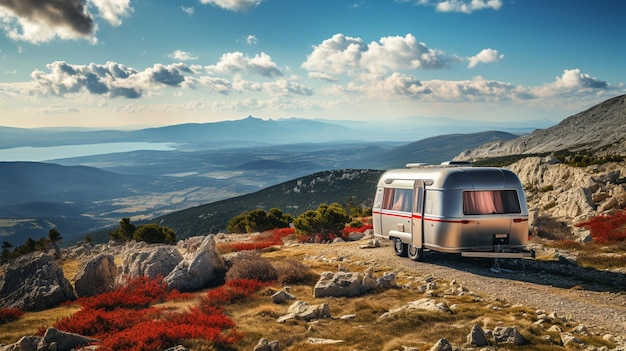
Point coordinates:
[(437, 149), (600, 129), (225, 134)]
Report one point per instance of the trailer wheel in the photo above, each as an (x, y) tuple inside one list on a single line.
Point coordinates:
[(415, 253), (399, 247)]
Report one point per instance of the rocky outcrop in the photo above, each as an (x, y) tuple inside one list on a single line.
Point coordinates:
[(571, 193), (599, 129), (198, 270), (34, 282), (96, 276), (53, 339), (150, 261)]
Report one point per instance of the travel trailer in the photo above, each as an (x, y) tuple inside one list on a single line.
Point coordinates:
[(454, 208)]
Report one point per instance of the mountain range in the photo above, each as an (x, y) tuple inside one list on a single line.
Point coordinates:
[(223, 169)]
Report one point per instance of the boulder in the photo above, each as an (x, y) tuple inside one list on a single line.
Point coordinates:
[(477, 336), (34, 282), (55, 339), (442, 345), (508, 335), (338, 284), (266, 345), (96, 276), (302, 310), (151, 262), (25, 343), (282, 297), (199, 270)]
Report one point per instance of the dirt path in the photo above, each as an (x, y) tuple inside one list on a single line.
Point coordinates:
[(584, 297)]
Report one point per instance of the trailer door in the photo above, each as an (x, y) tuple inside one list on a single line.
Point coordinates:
[(417, 224)]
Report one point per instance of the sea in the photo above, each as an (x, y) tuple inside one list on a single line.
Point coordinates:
[(40, 154)]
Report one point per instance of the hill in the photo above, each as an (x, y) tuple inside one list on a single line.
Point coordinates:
[(599, 130), (292, 197)]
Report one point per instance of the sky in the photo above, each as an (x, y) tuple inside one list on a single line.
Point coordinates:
[(139, 63)]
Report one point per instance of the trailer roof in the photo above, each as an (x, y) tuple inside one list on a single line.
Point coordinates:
[(451, 177)]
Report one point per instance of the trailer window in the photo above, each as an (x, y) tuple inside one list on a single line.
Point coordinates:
[(490, 202), (398, 199)]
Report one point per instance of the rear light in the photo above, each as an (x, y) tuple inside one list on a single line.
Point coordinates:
[(518, 220)]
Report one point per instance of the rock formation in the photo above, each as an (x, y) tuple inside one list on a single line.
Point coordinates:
[(34, 282)]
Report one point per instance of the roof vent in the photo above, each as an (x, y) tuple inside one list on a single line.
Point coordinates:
[(457, 163), (416, 165)]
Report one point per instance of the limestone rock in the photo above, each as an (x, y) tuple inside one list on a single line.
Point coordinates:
[(199, 270), (338, 284), (477, 336), (34, 282), (442, 345), (96, 276), (508, 335), (266, 345), (151, 262), (282, 297), (62, 341)]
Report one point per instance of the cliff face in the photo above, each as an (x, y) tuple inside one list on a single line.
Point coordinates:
[(568, 193), (600, 129)]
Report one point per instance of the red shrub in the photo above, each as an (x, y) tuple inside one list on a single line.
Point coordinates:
[(100, 323), (138, 293), (607, 228), (10, 314), (232, 291), (347, 230)]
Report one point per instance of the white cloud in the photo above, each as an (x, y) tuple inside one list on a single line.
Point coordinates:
[(237, 62), (572, 82), (234, 5), (466, 6), (113, 10), (485, 56), (251, 39), (337, 55), (109, 80), (188, 10), (182, 56), (346, 55)]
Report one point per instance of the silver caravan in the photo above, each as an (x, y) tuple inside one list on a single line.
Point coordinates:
[(452, 207)]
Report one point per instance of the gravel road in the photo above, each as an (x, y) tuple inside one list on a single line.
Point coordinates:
[(594, 298)]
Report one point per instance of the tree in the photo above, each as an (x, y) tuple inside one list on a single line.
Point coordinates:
[(326, 221), (259, 221), (125, 232), (55, 236), (153, 233), (6, 250)]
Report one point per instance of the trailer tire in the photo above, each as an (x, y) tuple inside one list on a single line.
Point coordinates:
[(399, 247), (415, 253)]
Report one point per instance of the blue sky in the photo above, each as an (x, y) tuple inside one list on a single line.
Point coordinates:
[(123, 63)]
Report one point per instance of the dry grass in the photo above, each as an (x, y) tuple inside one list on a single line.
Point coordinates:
[(257, 318), (31, 322)]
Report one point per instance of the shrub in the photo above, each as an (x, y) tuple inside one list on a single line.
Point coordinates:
[(138, 293), (606, 228), (124, 323), (231, 292), (10, 314), (294, 272), (348, 229), (251, 265)]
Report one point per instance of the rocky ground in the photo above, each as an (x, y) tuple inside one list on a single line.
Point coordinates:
[(594, 298)]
